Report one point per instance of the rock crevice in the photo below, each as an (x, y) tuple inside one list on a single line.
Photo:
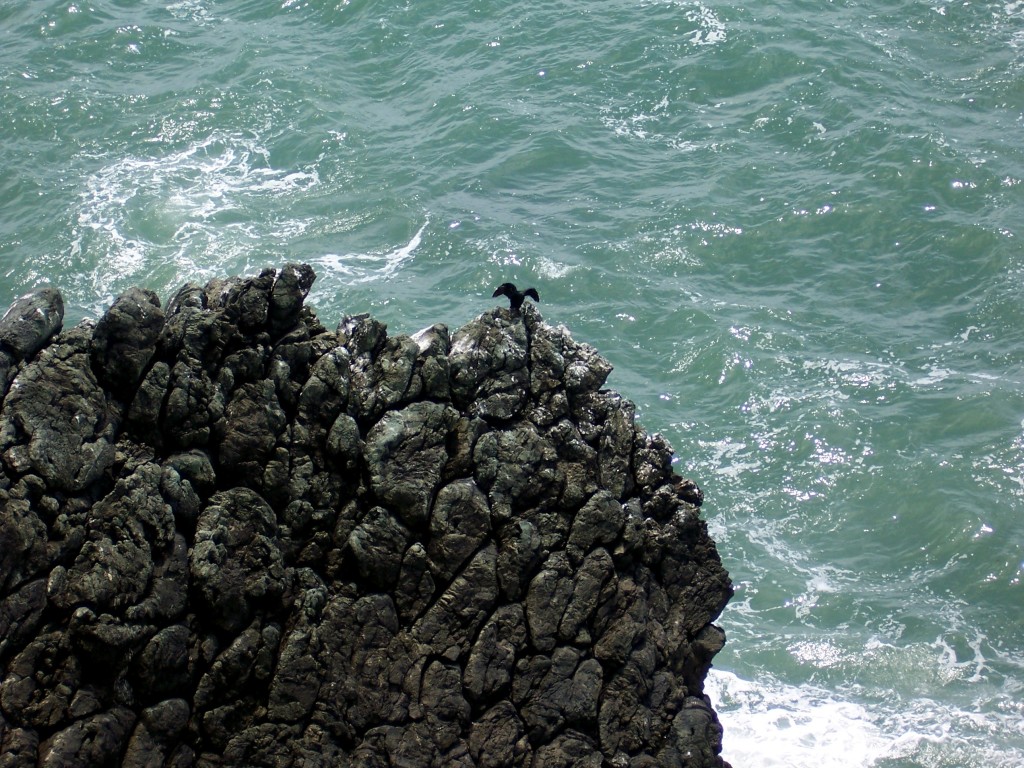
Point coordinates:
[(230, 536)]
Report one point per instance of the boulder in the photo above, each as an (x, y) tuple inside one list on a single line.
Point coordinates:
[(30, 322)]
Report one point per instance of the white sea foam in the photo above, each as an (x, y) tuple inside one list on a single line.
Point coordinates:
[(768, 723), (553, 270), (372, 266), (195, 209)]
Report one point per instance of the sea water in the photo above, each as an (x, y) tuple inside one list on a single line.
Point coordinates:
[(793, 228)]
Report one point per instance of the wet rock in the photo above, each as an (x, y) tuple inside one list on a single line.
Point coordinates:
[(23, 552), (453, 620), (124, 340), (236, 562), (230, 536), (493, 656), (552, 691), (460, 523), (599, 521), (291, 287), (30, 322), (40, 681), (56, 421), (90, 741), (405, 452), (489, 373), (126, 533), (433, 368), (569, 750), (157, 736), (377, 544), (162, 666), (8, 368), (20, 614), (497, 739), (252, 425)]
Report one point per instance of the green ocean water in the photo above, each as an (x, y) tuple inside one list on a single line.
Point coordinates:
[(792, 227)]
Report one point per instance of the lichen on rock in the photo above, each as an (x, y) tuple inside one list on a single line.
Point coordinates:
[(230, 536)]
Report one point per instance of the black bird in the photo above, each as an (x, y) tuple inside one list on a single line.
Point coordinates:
[(515, 297)]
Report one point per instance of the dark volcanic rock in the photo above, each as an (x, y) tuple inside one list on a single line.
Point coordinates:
[(57, 423), (124, 340), (229, 536), (30, 322)]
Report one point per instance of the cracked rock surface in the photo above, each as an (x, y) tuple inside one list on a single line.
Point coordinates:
[(229, 536)]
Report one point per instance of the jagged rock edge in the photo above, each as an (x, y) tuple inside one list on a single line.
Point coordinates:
[(67, 528)]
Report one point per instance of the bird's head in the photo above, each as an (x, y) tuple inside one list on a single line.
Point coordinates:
[(505, 289)]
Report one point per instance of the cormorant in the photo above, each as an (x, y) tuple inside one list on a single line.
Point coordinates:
[(515, 297)]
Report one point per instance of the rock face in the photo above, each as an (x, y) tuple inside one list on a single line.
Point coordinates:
[(229, 536)]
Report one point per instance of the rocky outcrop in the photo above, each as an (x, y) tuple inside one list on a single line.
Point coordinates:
[(230, 536)]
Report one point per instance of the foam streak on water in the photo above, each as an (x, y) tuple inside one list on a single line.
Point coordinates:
[(793, 228)]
